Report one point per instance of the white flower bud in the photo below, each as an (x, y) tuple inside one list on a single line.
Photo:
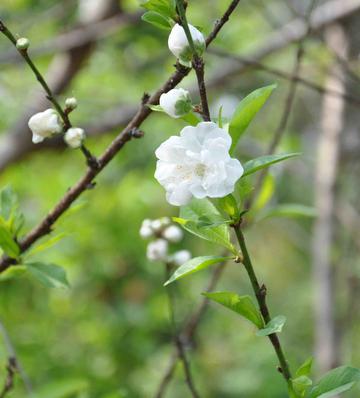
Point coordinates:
[(157, 250), (173, 234), (179, 45), (176, 102), (23, 43), (74, 137), (156, 225), (146, 230), (71, 103), (180, 257), (44, 124)]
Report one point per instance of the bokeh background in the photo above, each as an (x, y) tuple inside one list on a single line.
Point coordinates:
[(108, 335)]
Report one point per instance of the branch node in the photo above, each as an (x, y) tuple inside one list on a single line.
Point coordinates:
[(136, 133)]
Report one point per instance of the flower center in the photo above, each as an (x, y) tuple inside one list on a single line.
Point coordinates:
[(200, 169)]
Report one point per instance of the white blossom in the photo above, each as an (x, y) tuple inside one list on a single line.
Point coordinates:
[(74, 137), (179, 45), (157, 250), (176, 102), (44, 124), (145, 230), (173, 234), (197, 164), (156, 225), (180, 257)]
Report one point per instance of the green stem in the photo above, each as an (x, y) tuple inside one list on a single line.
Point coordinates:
[(260, 293)]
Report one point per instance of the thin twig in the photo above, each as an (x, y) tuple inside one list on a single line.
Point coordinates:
[(188, 332), (12, 354), (285, 75), (9, 381), (288, 105), (91, 160), (181, 352)]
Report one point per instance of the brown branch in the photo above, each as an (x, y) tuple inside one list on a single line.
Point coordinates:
[(86, 182), (9, 381)]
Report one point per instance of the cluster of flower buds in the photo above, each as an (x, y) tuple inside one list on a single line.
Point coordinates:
[(162, 232), (46, 124)]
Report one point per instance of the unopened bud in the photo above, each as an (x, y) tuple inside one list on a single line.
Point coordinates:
[(71, 103), (23, 43)]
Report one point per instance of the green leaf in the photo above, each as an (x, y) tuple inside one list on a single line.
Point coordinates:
[(242, 305), (266, 193), (195, 212), (50, 275), (335, 382), (15, 271), (46, 245), (8, 202), (157, 20), (7, 242), (246, 111), (164, 7), (220, 119), (190, 118), (254, 165), (293, 210), (229, 205), (194, 265), (305, 368), (301, 384), (274, 326)]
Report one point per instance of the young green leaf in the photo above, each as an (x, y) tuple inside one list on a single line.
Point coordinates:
[(229, 205), (246, 111), (45, 245), (156, 19), (196, 211), (335, 382), (242, 305), (190, 118), (50, 275), (305, 368), (274, 326), (254, 165), (194, 265), (301, 384), (164, 7), (7, 242), (15, 271), (8, 202), (290, 210), (155, 108)]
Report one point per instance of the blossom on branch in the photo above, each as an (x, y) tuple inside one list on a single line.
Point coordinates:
[(176, 102), (44, 124), (180, 257), (180, 47), (197, 164), (74, 137)]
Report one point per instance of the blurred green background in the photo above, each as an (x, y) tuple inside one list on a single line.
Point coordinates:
[(108, 335)]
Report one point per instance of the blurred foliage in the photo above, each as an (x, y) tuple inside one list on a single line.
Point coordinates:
[(108, 335)]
